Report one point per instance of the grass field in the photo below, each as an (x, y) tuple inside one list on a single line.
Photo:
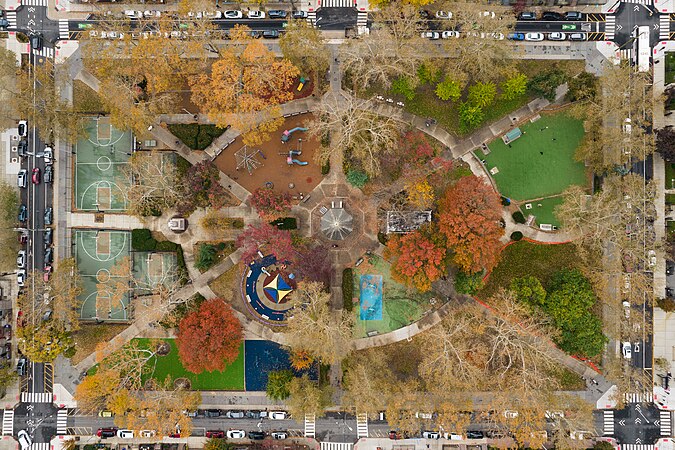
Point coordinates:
[(670, 68), (543, 210), (528, 259), (541, 163), (670, 175), (231, 379)]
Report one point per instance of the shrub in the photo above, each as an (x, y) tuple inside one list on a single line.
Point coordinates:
[(182, 165), (468, 283), (206, 257), (514, 86), (357, 178), (166, 246), (582, 87), (285, 223), (427, 73), (482, 94), (470, 116), (237, 223), (403, 86), (449, 89), (382, 237), (518, 217), (666, 304), (70, 352), (348, 288), (194, 135), (545, 84), (506, 201), (516, 236), (325, 168), (142, 240)]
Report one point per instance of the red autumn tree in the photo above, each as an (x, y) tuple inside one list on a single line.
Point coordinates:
[(209, 338), (418, 257), (314, 263), (269, 240), (270, 204), (469, 219)]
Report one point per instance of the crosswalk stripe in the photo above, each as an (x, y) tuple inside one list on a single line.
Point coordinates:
[(666, 423), (36, 397), (63, 29), (636, 447), (337, 3), (641, 2), (47, 52), (336, 446), (62, 422), (34, 3), (610, 26), (361, 19), (640, 397), (361, 425), (608, 422), (11, 18), (311, 17), (310, 425), (40, 446), (8, 422), (664, 27)]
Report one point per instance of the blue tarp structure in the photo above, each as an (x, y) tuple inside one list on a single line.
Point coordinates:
[(512, 135), (371, 297)]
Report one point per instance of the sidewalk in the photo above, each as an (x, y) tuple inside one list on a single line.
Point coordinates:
[(110, 221)]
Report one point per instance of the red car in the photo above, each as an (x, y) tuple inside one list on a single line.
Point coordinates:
[(23, 238), (48, 270), (215, 434), (36, 175)]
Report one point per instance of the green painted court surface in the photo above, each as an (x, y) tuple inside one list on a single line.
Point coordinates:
[(99, 158), (231, 379), (96, 252), (541, 162), (152, 270)]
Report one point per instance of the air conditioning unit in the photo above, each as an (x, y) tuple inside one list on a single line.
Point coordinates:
[(14, 149), (14, 160), (15, 137)]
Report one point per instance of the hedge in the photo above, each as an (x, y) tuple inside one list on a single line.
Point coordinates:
[(516, 236), (285, 223), (325, 168), (194, 135), (348, 289), (382, 238), (518, 217), (142, 240), (182, 165)]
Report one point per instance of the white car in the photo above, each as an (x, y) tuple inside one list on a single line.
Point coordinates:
[(152, 13), (279, 435), (24, 440), (433, 35), (23, 128), (443, 15), (626, 350), (556, 36), (133, 14), (256, 14), (449, 34), (147, 433), (48, 155), (510, 414), (626, 308), (277, 415), (536, 37), (214, 14), (490, 14), (497, 36), (430, 435), (21, 277), (236, 434), (233, 14), (125, 434), (651, 258), (21, 259)]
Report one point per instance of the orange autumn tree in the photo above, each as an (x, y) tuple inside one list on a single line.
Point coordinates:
[(245, 86), (469, 218), (418, 257), (301, 359)]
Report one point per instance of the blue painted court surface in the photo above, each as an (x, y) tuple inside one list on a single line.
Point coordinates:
[(261, 357), (371, 297)]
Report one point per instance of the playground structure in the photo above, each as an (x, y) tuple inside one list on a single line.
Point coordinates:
[(247, 159), (290, 160), (286, 135)]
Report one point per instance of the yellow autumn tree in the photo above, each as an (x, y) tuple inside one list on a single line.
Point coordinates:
[(244, 87), (420, 194)]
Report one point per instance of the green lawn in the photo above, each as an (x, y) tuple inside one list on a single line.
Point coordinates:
[(528, 259), (541, 162), (670, 68), (543, 210), (231, 379), (670, 175)]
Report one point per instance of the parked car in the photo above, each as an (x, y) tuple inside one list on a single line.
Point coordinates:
[(21, 366), (21, 277), (394, 435), (215, 434), (48, 271), (213, 14), (554, 415), (24, 439), (125, 434), (279, 435), (212, 413), (255, 414), (626, 350), (576, 36), (105, 433), (23, 213), (36, 41), (443, 15), (527, 15), (449, 34), (48, 155), (48, 234), (22, 148), (535, 37), (49, 174), (36, 175), (133, 14), (471, 434), (236, 434), (8, 350), (490, 14), (510, 414), (22, 178), (256, 14), (23, 128), (551, 15), (153, 13), (233, 14), (49, 215), (433, 35), (651, 258), (277, 14), (556, 36), (23, 238), (299, 14), (49, 256), (574, 15), (21, 259), (235, 414), (147, 433), (105, 413), (256, 435), (270, 34), (516, 36), (277, 415), (430, 435)]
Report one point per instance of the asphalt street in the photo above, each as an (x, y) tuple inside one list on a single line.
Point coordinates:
[(629, 16)]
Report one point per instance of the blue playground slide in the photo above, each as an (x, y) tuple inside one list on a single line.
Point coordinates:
[(286, 135)]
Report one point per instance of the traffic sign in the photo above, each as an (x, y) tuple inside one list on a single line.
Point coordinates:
[(569, 26)]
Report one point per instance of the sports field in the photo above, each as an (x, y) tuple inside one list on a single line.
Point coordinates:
[(97, 252), (152, 270), (541, 162), (99, 158)]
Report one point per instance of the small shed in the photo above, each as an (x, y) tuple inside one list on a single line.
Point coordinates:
[(512, 136)]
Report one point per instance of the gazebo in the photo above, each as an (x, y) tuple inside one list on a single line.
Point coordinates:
[(337, 223)]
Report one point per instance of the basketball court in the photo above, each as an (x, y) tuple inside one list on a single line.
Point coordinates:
[(97, 252), (152, 270), (99, 158)]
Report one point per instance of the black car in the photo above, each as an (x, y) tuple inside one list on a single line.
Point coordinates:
[(4, 23), (277, 14), (23, 213), (21, 367), (49, 215), (36, 41), (48, 176), (49, 256), (8, 351), (670, 267), (270, 34), (48, 237), (551, 15), (257, 435), (474, 435), (574, 15), (212, 413), (22, 147)]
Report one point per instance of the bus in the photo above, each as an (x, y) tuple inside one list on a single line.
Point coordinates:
[(641, 49)]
